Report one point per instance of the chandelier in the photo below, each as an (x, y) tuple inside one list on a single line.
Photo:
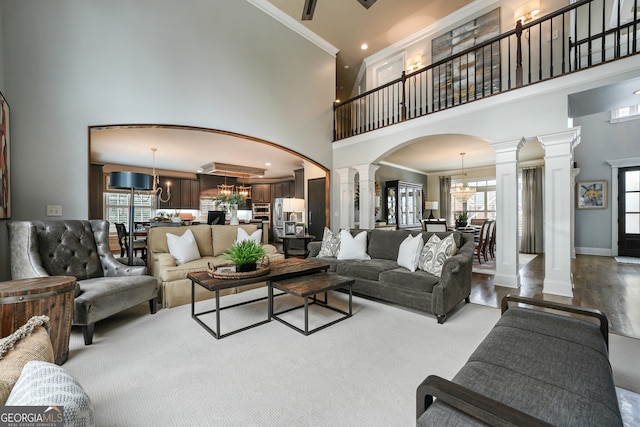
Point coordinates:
[(156, 181), (244, 191), (225, 189), (461, 191)]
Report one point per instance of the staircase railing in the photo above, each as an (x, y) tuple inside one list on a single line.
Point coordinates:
[(571, 39)]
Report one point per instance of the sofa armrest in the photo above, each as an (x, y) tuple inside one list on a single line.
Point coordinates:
[(313, 248), (160, 262), (471, 403), (584, 311)]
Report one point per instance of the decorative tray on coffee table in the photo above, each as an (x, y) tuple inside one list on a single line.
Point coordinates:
[(261, 270)]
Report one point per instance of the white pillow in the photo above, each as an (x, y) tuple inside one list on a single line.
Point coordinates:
[(353, 247), (183, 248), (330, 246), (409, 252), (256, 236)]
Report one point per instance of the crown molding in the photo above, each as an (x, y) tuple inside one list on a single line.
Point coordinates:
[(294, 25)]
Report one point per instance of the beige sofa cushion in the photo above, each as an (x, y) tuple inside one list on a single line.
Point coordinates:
[(224, 236), (202, 233)]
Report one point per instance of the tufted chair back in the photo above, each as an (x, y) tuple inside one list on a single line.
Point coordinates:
[(77, 248), (68, 248)]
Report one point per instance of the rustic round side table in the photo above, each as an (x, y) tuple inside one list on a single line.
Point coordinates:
[(50, 296)]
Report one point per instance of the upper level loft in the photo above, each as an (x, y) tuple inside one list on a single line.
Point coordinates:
[(473, 61)]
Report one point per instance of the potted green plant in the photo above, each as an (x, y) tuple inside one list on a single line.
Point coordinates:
[(230, 204), (245, 255), (462, 220)]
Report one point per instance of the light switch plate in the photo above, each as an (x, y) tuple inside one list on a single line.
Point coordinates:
[(54, 210)]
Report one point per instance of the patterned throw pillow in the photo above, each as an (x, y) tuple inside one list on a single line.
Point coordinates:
[(29, 342), (46, 384), (330, 244), (435, 252)]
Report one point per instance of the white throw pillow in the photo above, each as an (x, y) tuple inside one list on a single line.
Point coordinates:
[(437, 253), (183, 248), (353, 247), (409, 252), (256, 236), (330, 244)]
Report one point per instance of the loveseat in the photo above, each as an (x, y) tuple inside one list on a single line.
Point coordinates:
[(383, 278), (212, 242), (80, 248), (535, 367)]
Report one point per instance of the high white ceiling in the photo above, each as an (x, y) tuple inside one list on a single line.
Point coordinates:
[(346, 24)]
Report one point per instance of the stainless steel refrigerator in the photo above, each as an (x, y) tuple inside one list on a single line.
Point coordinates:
[(279, 217)]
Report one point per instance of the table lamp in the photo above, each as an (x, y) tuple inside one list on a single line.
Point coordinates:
[(131, 181), (431, 206), (293, 206)]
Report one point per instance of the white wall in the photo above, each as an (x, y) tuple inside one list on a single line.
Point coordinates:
[(221, 64), (601, 141)]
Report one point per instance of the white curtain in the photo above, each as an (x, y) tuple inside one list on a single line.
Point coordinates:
[(445, 197), (532, 220)]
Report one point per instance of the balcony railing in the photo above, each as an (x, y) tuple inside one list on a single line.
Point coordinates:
[(576, 37)]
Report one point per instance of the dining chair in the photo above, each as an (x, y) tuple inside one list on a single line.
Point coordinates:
[(481, 242), (492, 240), (486, 250), (123, 241), (436, 226)]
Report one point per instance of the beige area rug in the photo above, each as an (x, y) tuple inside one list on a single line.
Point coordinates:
[(489, 267), (165, 369)]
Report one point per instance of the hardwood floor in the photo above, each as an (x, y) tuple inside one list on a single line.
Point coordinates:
[(599, 282)]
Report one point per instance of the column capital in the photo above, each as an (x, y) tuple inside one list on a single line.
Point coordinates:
[(571, 136), (367, 169), (346, 174)]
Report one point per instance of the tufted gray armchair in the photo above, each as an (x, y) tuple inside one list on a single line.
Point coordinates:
[(80, 248)]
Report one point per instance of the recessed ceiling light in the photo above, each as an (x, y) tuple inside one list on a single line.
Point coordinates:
[(267, 164), (346, 67), (337, 101), (364, 46), (637, 92)]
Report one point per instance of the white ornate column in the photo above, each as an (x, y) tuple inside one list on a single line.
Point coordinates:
[(367, 175), (507, 250), (558, 166), (347, 205)]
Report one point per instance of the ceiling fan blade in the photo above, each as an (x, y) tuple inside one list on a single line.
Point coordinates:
[(309, 7), (367, 3)]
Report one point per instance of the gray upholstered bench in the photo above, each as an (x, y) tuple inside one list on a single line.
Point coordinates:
[(80, 248), (534, 368)]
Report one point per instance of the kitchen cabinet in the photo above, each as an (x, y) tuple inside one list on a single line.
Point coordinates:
[(261, 193), (189, 194), (283, 189), (185, 193), (404, 204)]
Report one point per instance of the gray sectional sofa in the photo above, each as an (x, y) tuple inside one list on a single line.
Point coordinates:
[(534, 368), (382, 278)]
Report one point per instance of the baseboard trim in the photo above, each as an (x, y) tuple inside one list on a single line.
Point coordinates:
[(594, 251)]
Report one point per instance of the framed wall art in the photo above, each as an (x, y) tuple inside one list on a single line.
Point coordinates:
[(299, 230), (591, 194), (289, 228), (471, 76), (5, 160)]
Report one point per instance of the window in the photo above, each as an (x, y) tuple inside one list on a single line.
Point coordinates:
[(482, 205), (117, 208), (624, 114)]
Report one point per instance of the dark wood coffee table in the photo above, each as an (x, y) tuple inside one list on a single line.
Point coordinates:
[(310, 286), (279, 270)]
